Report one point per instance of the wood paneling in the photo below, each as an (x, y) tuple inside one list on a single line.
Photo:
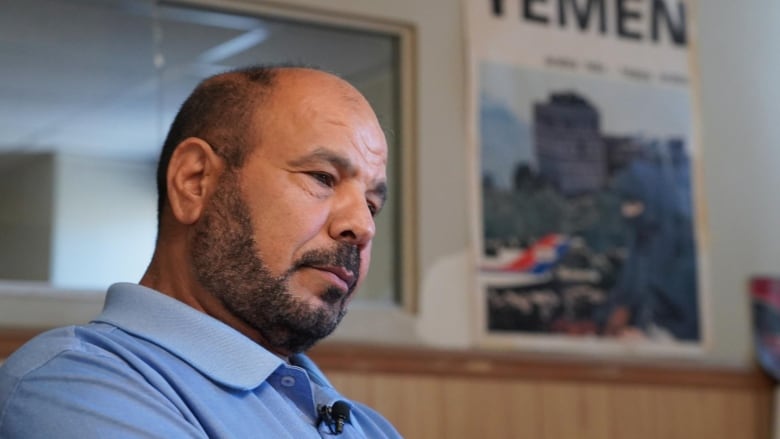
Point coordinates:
[(430, 394), (453, 407)]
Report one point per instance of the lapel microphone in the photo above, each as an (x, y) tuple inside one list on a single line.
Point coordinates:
[(334, 416)]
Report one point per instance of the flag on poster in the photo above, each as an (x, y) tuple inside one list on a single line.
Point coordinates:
[(584, 134)]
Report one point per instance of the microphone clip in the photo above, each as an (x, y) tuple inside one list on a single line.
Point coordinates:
[(335, 415)]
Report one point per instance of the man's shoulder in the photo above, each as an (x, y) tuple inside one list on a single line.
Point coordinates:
[(46, 348), (87, 381)]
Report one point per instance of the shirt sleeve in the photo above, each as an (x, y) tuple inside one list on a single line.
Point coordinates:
[(82, 395)]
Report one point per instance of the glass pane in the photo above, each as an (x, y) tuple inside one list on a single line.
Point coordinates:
[(77, 138), (89, 90)]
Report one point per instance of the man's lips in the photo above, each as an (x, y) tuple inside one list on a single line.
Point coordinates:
[(345, 276)]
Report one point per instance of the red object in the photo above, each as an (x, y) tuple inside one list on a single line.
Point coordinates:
[(766, 289)]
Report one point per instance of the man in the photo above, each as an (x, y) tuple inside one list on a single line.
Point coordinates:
[(655, 293), (268, 182)]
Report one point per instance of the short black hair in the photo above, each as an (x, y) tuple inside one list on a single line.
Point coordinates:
[(220, 111)]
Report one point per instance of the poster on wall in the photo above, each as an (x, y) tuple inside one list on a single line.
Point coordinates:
[(583, 125)]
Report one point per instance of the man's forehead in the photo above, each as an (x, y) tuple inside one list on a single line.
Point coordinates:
[(318, 103)]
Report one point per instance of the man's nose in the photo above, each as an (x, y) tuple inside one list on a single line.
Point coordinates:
[(352, 221)]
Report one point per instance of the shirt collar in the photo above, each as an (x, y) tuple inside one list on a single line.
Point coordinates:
[(207, 344)]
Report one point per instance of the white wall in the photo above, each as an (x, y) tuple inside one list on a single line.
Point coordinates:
[(740, 98)]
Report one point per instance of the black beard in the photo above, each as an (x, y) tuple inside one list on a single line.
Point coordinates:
[(227, 264)]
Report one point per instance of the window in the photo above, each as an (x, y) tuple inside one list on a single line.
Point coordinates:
[(87, 92)]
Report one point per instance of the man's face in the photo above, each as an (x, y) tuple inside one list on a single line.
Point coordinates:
[(286, 239)]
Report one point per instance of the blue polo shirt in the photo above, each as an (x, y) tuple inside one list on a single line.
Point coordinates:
[(152, 367)]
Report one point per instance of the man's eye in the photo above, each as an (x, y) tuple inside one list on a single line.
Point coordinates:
[(324, 178), (373, 209)]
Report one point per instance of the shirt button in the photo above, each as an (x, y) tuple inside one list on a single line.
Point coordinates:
[(288, 381)]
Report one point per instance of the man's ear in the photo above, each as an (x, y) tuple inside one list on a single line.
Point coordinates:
[(193, 174)]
